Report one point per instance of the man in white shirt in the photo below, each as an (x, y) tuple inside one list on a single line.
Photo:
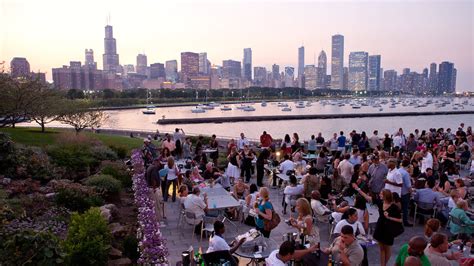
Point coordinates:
[(217, 242), (242, 142), (286, 165), (374, 141), (195, 204), (351, 220), (427, 161), (397, 140), (318, 208), (346, 169), (394, 179), (286, 253)]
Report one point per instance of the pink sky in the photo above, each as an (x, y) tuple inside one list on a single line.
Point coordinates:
[(50, 33)]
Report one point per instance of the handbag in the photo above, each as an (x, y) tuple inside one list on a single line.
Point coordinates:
[(268, 225)]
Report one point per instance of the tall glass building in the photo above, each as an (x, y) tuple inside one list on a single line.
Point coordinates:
[(374, 72), (358, 71), (247, 70), (337, 62)]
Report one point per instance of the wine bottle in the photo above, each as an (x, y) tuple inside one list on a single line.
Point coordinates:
[(330, 260)]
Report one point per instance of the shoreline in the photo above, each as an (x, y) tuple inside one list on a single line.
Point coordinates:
[(175, 121)]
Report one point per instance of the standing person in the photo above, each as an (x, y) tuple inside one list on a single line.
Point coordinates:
[(242, 142), (187, 148), (261, 160), (355, 138), (295, 143), (427, 161), (199, 148), (406, 191), (341, 142), (377, 173), (389, 217), (394, 179), (215, 146), (178, 138), (169, 143), (230, 145), (263, 209), (333, 144), (171, 178), (363, 142), (346, 169), (286, 145), (320, 139), (312, 145), (246, 167), (153, 182), (266, 141), (232, 170), (374, 141), (387, 143), (311, 182)]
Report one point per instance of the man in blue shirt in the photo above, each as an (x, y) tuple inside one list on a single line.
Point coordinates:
[(427, 195), (406, 191), (341, 142)]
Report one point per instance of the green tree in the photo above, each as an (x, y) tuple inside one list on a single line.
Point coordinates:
[(80, 116), (49, 107)]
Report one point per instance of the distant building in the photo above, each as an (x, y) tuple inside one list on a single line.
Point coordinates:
[(200, 82), (374, 72), (129, 68), (247, 64), (358, 75), (321, 71), (79, 77), (157, 70), (203, 64), (446, 78), (311, 77), (142, 64), (260, 76), (345, 78), (110, 57), (289, 76), (301, 67), (20, 68), (337, 62), (231, 69), (216, 75), (189, 67), (171, 71), (390, 80), (433, 78), (89, 59)]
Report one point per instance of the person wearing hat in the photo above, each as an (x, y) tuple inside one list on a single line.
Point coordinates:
[(394, 179)]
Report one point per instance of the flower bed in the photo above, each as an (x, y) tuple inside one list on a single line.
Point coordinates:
[(153, 250)]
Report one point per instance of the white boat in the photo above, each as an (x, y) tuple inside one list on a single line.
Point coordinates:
[(356, 106), (150, 110), (300, 104), (281, 104), (198, 109), (249, 108), (213, 104), (241, 107), (308, 104), (263, 104), (226, 108), (286, 109), (206, 106)]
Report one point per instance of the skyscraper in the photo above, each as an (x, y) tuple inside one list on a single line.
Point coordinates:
[(337, 62), (110, 56), (358, 71), (189, 66), (374, 72), (247, 67), (231, 69), (20, 67), (89, 59), (289, 76), (203, 64), (390, 80), (321, 71), (142, 64), (301, 66), (260, 76), (171, 70), (157, 70), (445, 78), (276, 72), (311, 77), (433, 78)]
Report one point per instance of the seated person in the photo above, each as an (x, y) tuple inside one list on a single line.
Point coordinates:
[(350, 218), (436, 251), (304, 221), (415, 247), (461, 188), (428, 194), (346, 248), (287, 253), (183, 193), (211, 172), (286, 165), (460, 213), (428, 175), (292, 191), (217, 242), (299, 163), (240, 188), (339, 210), (318, 208), (199, 206)]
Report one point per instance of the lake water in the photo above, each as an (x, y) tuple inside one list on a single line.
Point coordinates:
[(133, 119)]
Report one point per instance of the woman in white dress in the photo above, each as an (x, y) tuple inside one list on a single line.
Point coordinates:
[(233, 171)]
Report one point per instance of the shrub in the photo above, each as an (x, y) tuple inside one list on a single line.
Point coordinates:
[(105, 184), (76, 158), (33, 162), (31, 248), (119, 171), (77, 200), (130, 247), (120, 151), (101, 153), (7, 152), (88, 239)]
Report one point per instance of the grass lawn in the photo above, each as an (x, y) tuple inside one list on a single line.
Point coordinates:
[(34, 137)]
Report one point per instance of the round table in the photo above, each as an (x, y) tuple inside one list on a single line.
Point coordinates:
[(269, 245)]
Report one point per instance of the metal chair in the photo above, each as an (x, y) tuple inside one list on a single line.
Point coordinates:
[(458, 222), (428, 209), (191, 219), (182, 215), (207, 225)]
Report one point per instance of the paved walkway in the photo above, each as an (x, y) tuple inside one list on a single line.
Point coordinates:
[(179, 239)]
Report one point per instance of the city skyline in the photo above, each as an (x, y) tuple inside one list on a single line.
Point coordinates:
[(457, 33)]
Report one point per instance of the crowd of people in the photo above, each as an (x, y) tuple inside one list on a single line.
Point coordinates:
[(424, 174)]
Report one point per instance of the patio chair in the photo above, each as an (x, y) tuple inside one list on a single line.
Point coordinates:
[(192, 219), (424, 209), (182, 214)]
